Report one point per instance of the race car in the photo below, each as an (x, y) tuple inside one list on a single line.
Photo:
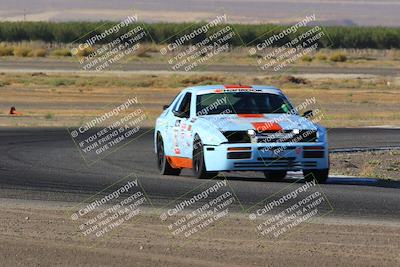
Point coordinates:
[(216, 128)]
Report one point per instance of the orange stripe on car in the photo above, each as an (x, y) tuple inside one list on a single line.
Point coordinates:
[(180, 162), (238, 148), (251, 115), (266, 126)]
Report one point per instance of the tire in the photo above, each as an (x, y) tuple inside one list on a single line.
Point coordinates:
[(320, 175), (275, 175), (162, 163), (199, 166)]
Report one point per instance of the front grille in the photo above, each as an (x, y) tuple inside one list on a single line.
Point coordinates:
[(239, 155), (313, 154), (309, 164), (287, 136)]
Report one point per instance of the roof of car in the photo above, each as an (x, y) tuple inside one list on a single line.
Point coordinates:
[(267, 88)]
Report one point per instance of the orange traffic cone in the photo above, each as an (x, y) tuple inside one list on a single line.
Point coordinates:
[(14, 112)]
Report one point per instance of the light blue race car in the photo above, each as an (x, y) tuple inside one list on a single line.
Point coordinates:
[(239, 128)]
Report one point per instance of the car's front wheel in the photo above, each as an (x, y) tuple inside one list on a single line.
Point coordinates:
[(199, 166), (320, 175), (275, 175), (162, 163)]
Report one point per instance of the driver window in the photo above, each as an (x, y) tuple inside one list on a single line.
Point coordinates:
[(184, 107)]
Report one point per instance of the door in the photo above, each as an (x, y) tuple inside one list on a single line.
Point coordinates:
[(179, 130)]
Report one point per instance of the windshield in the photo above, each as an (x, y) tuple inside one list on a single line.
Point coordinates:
[(241, 103)]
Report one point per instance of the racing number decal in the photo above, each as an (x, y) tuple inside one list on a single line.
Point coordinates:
[(177, 150), (182, 136)]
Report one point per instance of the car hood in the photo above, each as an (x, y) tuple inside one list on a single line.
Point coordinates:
[(244, 122)]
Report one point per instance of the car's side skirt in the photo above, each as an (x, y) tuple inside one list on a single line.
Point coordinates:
[(180, 162)]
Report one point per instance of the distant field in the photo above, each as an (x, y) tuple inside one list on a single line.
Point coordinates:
[(69, 99), (150, 53), (161, 33)]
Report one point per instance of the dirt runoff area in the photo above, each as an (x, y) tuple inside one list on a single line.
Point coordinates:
[(42, 234), (374, 164)]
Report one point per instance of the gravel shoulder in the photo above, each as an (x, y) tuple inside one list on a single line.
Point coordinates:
[(377, 164), (40, 233)]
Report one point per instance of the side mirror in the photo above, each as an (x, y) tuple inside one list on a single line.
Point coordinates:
[(308, 113), (165, 107)]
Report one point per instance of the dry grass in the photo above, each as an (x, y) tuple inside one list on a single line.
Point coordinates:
[(343, 101), (237, 55), (22, 51), (41, 52), (62, 53), (321, 57), (306, 58), (338, 57), (85, 52), (6, 51)]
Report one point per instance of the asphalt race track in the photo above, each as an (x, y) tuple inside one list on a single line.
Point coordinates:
[(43, 164)]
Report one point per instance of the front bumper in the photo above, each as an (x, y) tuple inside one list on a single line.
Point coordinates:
[(275, 156)]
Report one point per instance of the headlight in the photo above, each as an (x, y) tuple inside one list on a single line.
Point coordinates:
[(237, 136), (251, 133)]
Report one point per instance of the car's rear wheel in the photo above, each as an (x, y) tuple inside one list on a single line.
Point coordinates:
[(275, 175), (162, 163), (320, 175), (199, 166)]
